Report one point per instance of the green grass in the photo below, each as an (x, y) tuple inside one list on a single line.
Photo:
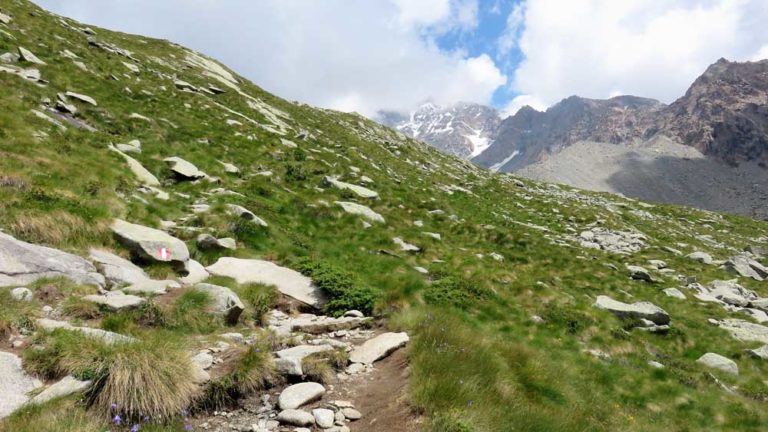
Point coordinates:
[(478, 361)]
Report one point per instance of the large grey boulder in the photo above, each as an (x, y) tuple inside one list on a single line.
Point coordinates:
[(116, 300), (288, 282), (183, 169), (717, 361), (197, 273), (731, 293), (67, 386), (289, 360), (225, 302), (14, 384), (149, 243), (361, 210), (117, 270), (360, 191), (378, 347), (295, 417), (23, 263), (107, 336), (745, 331), (82, 98), (639, 310), (209, 242), (639, 273), (27, 55), (299, 394), (761, 352), (745, 266)]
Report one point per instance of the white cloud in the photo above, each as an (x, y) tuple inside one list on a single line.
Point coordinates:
[(520, 101), (341, 54), (595, 48)]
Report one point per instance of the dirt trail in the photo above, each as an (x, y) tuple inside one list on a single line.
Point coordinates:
[(381, 396)]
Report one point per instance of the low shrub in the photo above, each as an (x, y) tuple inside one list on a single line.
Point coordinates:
[(343, 290)]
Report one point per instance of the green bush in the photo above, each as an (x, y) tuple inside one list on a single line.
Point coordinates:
[(566, 317), (342, 288), (259, 298), (455, 291)]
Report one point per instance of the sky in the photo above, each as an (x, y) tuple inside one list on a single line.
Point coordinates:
[(393, 55)]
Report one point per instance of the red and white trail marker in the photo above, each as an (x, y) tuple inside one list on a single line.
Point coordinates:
[(164, 253)]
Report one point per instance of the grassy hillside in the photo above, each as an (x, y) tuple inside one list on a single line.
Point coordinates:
[(508, 249)]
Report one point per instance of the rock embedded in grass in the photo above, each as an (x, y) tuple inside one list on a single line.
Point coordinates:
[(15, 383), (22, 294), (117, 270), (289, 361), (701, 257), (361, 210), (67, 386), (288, 282), (360, 191), (225, 302), (23, 263), (183, 169), (28, 56), (296, 395), (639, 310), (745, 266), (716, 361), (116, 300)]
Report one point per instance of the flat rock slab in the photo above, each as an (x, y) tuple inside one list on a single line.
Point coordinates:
[(747, 267), (225, 302), (116, 300), (324, 324), (300, 394), (639, 310), (361, 210), (378, 347), (288, 282), (67, 386), (27, 55), (289, 360), (184, 169), (117, 270), (717, 361), (242, 212), (142, 174), (745, 331), (150, 243), (23, 263), (150, 286), (360, 191), (14, 384), (106, 336)]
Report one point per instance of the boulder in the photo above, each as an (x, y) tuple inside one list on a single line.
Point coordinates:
[(404, 246), (639, 273), (197, 273), (151, 244), (324, 418), (5, 19), (116, 300), (745, 331), (82, 98), (361, 210), (230, 168), (639, 310), (300, 394), (225, 302), (360, 191), (106, 336), (183, 169), (15, 384), (745, 266), (288, 282), (22, 294), (701, 257), (351, 414), (674, 292), (246, 214), (23, 263), (717, 361), (378, 347), (26, 55), (295, 417), (289, 361), (731, 293), (117, 270), (145, 177), (209, 242), (761, 353), (67, 386)]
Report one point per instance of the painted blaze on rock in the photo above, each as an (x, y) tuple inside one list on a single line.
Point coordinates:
[(151, 244)]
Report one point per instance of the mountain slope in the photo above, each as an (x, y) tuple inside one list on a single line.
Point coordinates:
[(463, 129), (493, 278)]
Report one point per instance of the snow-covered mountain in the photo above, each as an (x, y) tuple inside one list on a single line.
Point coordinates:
[(463, 129)]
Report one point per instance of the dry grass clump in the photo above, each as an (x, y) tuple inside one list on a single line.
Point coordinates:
[(56, 228), (322, 367)]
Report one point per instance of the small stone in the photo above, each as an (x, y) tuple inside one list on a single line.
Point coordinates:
[(324, 418), (296, 417), (299, 394), (717, 361), (22, 294), (351, 413)]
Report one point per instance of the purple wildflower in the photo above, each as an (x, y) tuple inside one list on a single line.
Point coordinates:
[(113, 406), (135, 428), (117, 420), (188, 427), (184, 413)]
